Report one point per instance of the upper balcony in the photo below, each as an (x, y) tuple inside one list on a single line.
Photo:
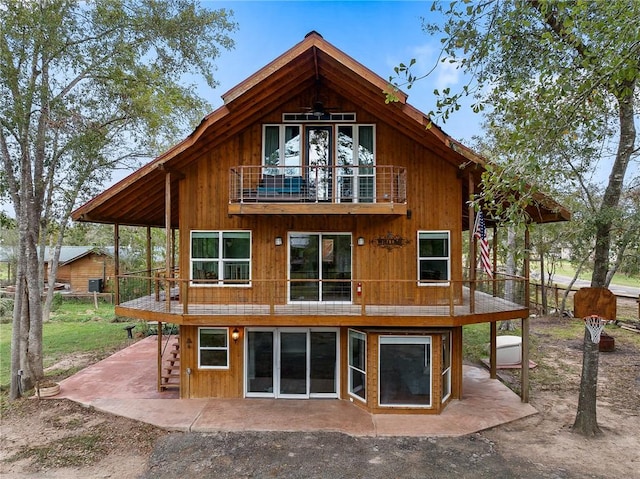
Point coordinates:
[(318, 190)]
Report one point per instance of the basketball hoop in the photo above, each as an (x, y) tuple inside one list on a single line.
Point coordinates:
[(595, 325)]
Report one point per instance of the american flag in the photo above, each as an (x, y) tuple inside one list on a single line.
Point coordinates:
[(480, 232)]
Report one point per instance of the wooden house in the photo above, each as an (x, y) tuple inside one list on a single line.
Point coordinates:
[(85, 269), (315, 237)]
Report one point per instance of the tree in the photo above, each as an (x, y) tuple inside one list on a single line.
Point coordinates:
[(87, 87), (556, 77)]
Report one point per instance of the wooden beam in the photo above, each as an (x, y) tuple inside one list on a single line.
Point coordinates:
[(493, 359), (472, 247), (116, 261), (159, 336), (167, 231), (295, 208), (524, 372)]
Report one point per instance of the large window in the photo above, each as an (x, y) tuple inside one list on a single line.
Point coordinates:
[(358, 364), (405, 371), (334, 162), (281, 150), (213, 348), (220, 257), (356, 161), (433, 256)]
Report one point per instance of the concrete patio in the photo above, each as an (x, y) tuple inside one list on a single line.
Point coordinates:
[(125, 384)]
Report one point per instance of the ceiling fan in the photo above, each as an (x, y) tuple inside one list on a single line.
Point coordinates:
[(317, 108)]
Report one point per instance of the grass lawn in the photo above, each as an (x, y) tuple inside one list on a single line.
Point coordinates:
[(75, 328), (564, 268)]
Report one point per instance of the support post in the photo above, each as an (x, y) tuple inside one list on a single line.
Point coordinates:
[(524, 374), (472, 249), (494, 260), (168, 244), (116, 262), (493, 357), (159, 356), (149, 260)]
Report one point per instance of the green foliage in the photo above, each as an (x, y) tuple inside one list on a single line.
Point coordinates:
[(56, 302), (6, 308), (559, 81)]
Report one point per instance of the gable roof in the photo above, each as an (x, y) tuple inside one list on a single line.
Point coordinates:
[(68, 254), (291, 73)]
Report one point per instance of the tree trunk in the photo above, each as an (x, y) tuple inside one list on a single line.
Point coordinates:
[(586, 421), (611, 198), (26, 341)]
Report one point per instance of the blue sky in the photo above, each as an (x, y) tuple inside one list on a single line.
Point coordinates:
[(378, 34)]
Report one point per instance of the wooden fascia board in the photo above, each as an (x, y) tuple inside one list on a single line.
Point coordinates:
[(311, 41), (83, 211)]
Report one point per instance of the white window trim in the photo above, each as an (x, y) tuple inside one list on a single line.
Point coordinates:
[(226, 349), (356, 158), (350, 367), (446, 373), (428, 339), (282, 128), (220, 283), (276, 362), (448, 259)]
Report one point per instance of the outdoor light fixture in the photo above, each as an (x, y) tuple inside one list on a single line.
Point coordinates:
[(278, 240), (188, 343), (235, 334), (360, 241)]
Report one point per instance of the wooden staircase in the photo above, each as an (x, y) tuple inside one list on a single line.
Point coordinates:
[(170, 376)]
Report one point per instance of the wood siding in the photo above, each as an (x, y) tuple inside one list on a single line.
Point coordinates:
[(77, 273), (434, 193), (210, 383)]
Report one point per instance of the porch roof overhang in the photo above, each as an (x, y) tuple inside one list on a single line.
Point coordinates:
[(140, 199)]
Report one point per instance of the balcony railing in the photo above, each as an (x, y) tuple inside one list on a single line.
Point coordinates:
[(318, 184), (322, 298)]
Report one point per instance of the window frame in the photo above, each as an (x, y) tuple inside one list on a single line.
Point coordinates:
[(221, 260), (282, 167), (213, 348), (422, 340), (351, 368), (447, 259), (446, 347)]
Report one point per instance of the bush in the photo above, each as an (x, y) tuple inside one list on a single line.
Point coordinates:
[(6, 308), (56, 302)]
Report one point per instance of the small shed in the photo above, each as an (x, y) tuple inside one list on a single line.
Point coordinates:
[(84, 268)]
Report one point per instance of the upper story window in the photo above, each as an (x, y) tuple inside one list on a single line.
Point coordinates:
[(220, 258), (433, 256), (334, 162), (281, 150)]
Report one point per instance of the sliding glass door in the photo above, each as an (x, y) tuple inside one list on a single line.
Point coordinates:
[(294, 363), (320, 267)]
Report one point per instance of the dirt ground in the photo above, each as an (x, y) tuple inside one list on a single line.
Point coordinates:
[(60, 439)]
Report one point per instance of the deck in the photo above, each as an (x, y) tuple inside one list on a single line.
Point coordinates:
[(484, 307)]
